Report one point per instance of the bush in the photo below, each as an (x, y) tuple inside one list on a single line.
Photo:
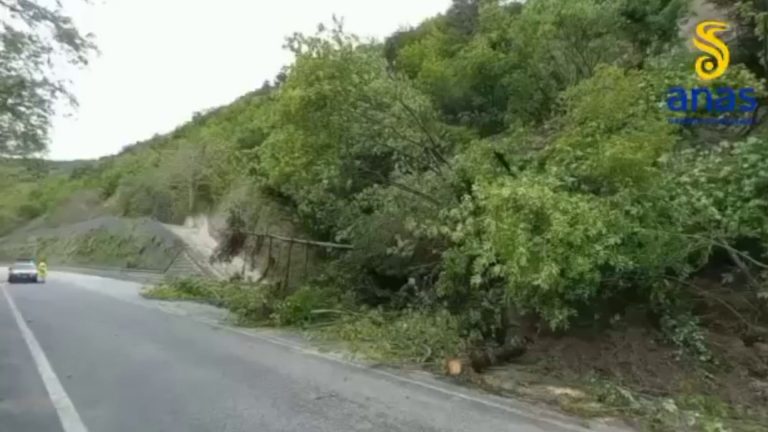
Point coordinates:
[(183, 289), (307, 305), (30, 211), (250, 304), (146, 195), (683, 331), (411, 336)]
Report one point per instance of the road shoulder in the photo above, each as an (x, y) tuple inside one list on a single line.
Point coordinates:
[(24, 402)]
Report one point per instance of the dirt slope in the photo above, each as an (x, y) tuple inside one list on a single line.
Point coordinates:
[(197, 237)]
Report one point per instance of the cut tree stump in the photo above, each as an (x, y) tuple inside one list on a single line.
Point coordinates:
[(481, 360), (454, 367)]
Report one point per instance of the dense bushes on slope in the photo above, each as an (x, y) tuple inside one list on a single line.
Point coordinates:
[(510, 149), (581, 196), (503, 166), (500, 161)]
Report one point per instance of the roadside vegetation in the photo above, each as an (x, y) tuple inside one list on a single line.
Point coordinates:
[(511, 188)]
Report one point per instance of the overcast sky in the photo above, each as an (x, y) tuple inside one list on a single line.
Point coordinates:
[(163, 60)]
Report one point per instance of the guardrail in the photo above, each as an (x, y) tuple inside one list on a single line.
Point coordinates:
[(141, 275), (132, 275), (198, 260)]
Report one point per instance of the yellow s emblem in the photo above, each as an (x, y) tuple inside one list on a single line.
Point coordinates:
[(717, 57)]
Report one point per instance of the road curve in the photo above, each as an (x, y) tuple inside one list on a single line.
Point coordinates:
[(125, 364)]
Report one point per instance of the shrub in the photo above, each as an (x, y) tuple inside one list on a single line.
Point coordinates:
[(410, 336), (250, 304), (182, 289), (305, 306)]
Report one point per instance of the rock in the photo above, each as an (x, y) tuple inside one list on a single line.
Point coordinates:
[(566, 391)]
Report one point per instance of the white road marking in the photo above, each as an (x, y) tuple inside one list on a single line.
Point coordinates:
[(68, 416), (531, 413), (536, 416)]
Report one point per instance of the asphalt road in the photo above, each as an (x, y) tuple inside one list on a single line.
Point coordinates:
[(82, 353)]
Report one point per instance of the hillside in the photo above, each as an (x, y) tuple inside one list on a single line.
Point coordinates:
[(105, 241), (503, 180)]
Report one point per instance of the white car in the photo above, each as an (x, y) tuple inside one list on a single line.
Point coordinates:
[(23, 272)]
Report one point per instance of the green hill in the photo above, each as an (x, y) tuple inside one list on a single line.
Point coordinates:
[(507, 170)]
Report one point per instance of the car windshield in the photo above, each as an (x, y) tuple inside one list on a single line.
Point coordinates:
[(24, 266)]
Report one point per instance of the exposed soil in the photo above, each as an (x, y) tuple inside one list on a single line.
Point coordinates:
[(557, 368), (197, 237)]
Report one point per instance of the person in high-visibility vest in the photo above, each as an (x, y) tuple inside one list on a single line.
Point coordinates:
[(42, 271)]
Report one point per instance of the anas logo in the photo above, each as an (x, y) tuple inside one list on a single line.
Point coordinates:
[(717, 57), (709, 105)]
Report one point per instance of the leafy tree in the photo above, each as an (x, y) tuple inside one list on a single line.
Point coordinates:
[(341, 124), (515, 61), (34, 37), (653, 25), (146, 195), (500, 158), (463, 16), (750, 17), (186, 172)]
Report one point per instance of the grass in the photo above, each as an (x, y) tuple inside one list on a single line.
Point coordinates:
[(169, 293), (251, 304), (411, 337), (675, 413), (427, 338), (123, 247), (414, 337)]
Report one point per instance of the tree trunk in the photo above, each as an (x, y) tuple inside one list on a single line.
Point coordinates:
[(191, 197), (482, 359)]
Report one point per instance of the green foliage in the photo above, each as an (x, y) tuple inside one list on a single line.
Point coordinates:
[(111, 248), (504, 161), (308, 305), (500, 155), (412, 336), (513, 60), (550, 245), (684, 411), (333, 142), (182, 289), (500, 163), (613, 134), (751, 41), (683, 331), (145, 196), (250, 304), (33, 34), (32, 188), (727, 186)]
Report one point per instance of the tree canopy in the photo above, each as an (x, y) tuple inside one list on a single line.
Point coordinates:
[(35, 39), (501, 155)]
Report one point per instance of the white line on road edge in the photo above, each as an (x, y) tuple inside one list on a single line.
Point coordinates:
[(535, 416), (70, 419)]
